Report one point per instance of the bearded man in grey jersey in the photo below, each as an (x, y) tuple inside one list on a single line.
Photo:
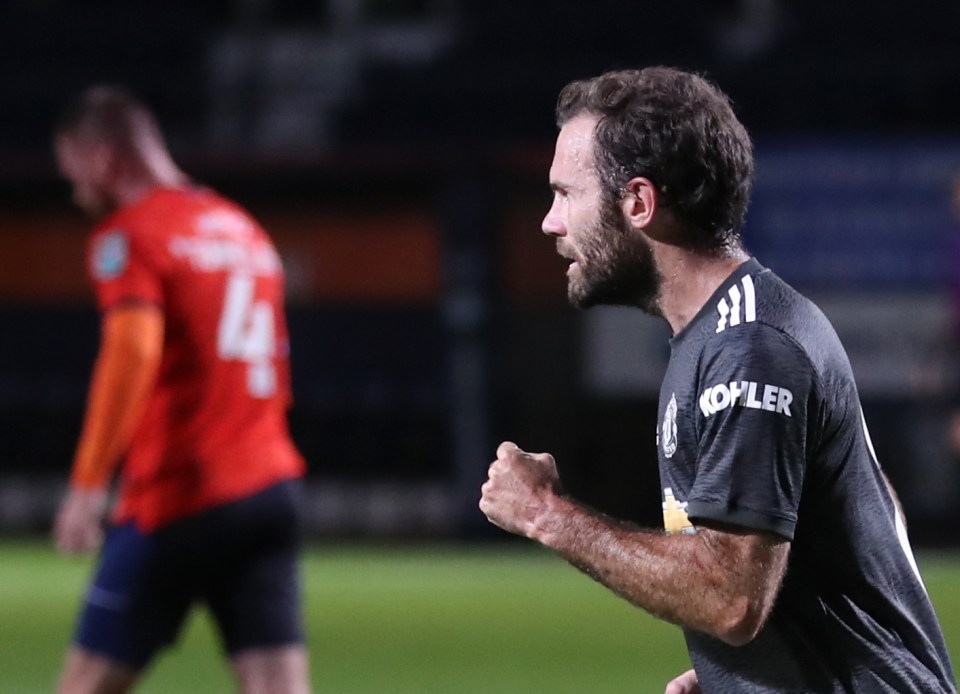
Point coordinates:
[(784, 555)]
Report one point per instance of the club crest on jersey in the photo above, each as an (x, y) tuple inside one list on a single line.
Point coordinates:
[(749, 394), (738, 306), (109, 257), (668, 430)]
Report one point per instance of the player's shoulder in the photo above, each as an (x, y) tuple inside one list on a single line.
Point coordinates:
[(187, 210), (136, 231), (139, 220), (753, 294), (757, 313), (213, 214), (754, 297), (133, 220), (116, 239)]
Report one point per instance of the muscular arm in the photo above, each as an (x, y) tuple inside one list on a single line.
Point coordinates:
[(721, 581), (124, 374)]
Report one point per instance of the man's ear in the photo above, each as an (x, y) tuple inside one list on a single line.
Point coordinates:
[(639, 203)]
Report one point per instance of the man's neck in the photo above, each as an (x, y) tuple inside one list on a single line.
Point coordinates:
[(151, 175), (689, 279)]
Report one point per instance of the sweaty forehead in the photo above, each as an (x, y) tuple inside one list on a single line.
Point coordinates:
[(574, 152)]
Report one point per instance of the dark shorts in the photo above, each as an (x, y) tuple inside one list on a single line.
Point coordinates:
[(240, 559)]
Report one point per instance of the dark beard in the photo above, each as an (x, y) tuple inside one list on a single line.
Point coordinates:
[(616, 267)]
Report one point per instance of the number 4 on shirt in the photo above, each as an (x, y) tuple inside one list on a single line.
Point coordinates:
[(246, 334)]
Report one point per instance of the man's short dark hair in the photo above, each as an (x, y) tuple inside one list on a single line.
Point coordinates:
[(679, 131)]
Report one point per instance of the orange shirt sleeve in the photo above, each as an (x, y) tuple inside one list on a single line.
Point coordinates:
[(131, 346)]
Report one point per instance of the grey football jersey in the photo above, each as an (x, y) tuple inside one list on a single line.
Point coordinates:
[(760, 427)]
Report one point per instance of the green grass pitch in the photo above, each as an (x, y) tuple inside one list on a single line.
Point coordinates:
[(415, 620)]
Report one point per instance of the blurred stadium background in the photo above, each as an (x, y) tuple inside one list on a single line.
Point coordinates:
[(398, 150)]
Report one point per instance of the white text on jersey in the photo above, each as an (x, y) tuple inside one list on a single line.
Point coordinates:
[(218, 254), (744, 394)]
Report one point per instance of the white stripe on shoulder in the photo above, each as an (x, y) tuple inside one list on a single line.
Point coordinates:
[(750, 300), (736, 298), (724, 310), (742, 305)]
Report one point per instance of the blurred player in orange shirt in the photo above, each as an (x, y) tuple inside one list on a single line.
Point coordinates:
[(188, 397)]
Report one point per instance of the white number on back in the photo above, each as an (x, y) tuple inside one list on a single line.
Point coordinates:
[(246, 334)]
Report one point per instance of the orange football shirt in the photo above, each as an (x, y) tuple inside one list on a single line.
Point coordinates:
[(215, 427)]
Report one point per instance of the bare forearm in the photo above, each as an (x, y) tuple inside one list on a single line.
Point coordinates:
[(721, 581), (686, 579)]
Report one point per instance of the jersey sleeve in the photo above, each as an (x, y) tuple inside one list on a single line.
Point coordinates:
[(756, 388), (122, 269)]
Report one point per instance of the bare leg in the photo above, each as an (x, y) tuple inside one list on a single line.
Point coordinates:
[(281, 670), (88, 673)]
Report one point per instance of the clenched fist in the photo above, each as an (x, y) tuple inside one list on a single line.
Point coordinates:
[(519, 491)]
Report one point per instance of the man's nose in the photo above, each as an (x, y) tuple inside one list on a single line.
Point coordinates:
[(552, 224)]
